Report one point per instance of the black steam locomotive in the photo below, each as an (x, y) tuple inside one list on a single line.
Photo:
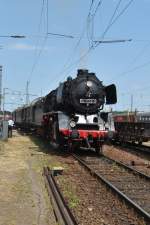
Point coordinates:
[(70, 114)]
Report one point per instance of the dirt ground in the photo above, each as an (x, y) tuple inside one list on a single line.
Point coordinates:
[(23, 197)]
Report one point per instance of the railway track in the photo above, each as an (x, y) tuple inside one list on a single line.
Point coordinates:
[(143, 149), (61, 210), (129, 184), (129, 168)]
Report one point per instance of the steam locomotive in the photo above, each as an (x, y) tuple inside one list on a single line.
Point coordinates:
[(71, 114), (132, 127)]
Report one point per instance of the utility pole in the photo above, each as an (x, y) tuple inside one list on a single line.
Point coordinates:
[(0, 88), (4, 96), (14, 93), (3, 103), (27, 92)]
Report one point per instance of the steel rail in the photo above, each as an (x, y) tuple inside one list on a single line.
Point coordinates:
[(62, 211), (120, 194), (133, 170), (135, 147), (142, 148)]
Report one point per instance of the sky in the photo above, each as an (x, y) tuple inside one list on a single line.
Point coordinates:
[(45, 60)]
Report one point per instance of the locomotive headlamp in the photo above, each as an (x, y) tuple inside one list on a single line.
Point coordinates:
[(89, 83), (72, 123)]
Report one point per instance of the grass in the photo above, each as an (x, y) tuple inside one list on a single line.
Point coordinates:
[(69, 193), (72, 198)]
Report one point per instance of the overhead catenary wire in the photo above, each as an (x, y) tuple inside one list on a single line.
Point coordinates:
[(111, 22), (37, 41), (111, 19), (69, 60), (131, 70), (47, 17), (120, 14), (91, 5), (112, 41), (80, 38), (77, 44), (61, 35), (89, 50), (37, 56), (66, 66), (39, 27), (95, 44), (90, 23), (140, 54), (77, 37), (97, 7)]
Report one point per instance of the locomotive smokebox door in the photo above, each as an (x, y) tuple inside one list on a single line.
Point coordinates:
[(111, 94)]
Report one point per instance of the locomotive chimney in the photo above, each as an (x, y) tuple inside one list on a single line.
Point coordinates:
[(82, 72)]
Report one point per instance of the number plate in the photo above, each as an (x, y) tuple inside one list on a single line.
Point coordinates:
[(88, 101)]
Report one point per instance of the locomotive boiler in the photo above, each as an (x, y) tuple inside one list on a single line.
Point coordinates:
[(85, 95), (71, 115)]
